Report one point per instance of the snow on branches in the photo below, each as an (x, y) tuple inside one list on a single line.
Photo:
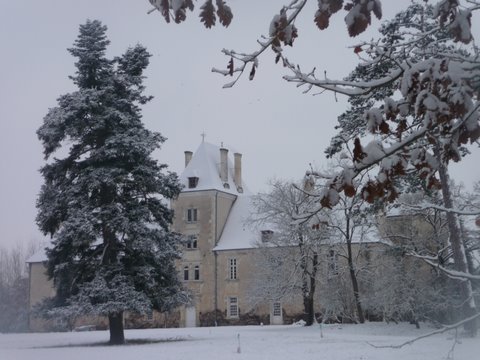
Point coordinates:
[(432, 110)]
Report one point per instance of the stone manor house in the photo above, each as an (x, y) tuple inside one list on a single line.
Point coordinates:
[(217, 255), (218, 262)]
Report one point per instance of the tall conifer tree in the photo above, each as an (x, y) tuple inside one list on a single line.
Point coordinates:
[(104, 202)]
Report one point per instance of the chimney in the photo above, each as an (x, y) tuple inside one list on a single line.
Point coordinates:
[(224, 165), (237, 159), (188, 157)]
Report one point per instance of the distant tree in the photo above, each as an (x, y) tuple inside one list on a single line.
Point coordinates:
[(289, 255), (104, 200), (14, 287), (405, 288), (349, 226), (349, 223)]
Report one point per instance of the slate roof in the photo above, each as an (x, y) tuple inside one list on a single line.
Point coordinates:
[(205, 164)]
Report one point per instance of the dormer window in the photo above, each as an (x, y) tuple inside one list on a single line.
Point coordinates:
[(267, 235), (192, 182)]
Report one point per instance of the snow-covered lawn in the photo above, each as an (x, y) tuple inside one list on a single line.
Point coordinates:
[(256, 342)]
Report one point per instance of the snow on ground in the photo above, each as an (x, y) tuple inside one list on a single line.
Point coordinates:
[(343, 342)]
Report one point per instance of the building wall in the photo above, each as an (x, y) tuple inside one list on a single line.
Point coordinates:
[(40, 287), (213, 291), (251, 311), (213, 208)]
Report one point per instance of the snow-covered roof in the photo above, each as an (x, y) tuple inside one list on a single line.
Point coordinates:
[(237, 234), (39, 256), (205, 165)]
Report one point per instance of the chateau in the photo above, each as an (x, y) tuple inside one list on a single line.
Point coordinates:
[(218, 256), (217, 263), (221, 261)]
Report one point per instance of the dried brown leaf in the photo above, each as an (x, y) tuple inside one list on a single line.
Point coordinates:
[(459, 32), (207, 14), (322, 19), (359, 24), (165, 10), (334, 5), (357, 49), (358, 153), (384, 128), (325, 202), (189, 5), (348, 6), (349, 191), (224, 13), (180, 16)]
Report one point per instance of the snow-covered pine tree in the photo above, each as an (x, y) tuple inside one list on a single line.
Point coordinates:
[(104, 202)]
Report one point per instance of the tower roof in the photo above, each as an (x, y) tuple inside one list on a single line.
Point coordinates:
[(205, 165)]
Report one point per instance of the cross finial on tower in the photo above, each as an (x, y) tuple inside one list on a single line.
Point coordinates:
[(203, 136)]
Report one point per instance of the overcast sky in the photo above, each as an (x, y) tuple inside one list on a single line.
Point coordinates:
[(279, 130)]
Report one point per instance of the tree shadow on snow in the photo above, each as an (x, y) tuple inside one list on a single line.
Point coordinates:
[(129, 342)]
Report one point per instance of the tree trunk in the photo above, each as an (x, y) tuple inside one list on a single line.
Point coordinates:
[(458, 250), (308, 310), (115, 321), (308, 282), (353, 277), (309, 293)]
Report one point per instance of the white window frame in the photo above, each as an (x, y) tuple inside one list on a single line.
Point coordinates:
[(196, 272), (232, 268), (332, 262), (186, 273), (149, 315), (192, 241), (191, 215), (277, 309), (233, 309)]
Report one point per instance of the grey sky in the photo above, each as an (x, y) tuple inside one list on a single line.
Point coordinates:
[(278, 129)]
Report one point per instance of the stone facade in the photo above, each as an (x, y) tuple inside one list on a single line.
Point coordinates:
[(218, 259)]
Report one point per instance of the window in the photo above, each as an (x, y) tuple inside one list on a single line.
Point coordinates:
[(267, 235), (233, 307), (150, 315), (332, 263), (60, 322), (185, 273), (277, 309), (232, 269), (196, 273), (192, 215), (192, 242), (192, 182)]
